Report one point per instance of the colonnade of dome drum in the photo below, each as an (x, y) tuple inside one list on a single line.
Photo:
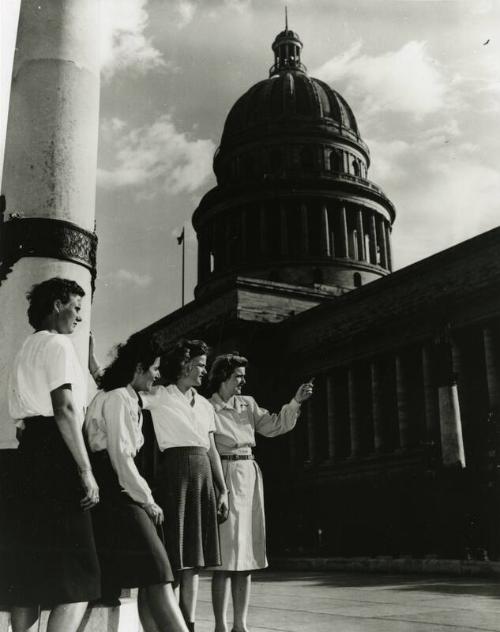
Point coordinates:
[(307, 232)]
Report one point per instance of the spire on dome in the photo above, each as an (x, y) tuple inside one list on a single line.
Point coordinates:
[(286, 47)]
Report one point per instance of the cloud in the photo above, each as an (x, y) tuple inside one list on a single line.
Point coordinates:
[(440, 180), (186, 10), (126, 278), (158, 157), (407, 80), (124, 44)]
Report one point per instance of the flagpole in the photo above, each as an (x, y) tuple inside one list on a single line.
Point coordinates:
[(181, 240), (183, 264)]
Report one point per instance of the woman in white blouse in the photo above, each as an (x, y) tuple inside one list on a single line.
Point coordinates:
[(243, 537), (128, 520), (55, 557), (184, 424)]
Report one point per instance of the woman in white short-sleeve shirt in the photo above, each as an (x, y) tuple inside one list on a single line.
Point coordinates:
[(184, 424), (56, 561), (243, 536)]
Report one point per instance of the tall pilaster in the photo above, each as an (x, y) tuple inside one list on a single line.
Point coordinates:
[(360, 235), (388, 246), (330, 412), (492, 362), (402, 404), (49, 170), (353, 413), (373, 239), (376, 393), (324, 232), (431, 409), (344, 237), (383, 243)]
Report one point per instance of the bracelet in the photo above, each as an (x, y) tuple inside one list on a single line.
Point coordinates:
[(84, 470)]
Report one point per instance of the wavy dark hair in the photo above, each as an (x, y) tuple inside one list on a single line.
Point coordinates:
[(138, 349), (174, 362), (42, 297), (223, 367)]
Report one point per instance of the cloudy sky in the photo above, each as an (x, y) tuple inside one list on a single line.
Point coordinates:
[(422, 76)]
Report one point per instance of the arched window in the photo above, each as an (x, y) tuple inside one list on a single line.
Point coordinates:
[(336, 161), (357, 279), (355, 167)]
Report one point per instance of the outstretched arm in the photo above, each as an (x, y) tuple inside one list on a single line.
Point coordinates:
[(272, 424)]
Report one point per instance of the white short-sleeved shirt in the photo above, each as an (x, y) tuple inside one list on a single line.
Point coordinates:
[(45, 361), (180, 419)]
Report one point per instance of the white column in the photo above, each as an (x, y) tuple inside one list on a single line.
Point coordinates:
[(50, 158)]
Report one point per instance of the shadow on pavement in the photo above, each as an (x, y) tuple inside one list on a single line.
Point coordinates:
[(477, 586)]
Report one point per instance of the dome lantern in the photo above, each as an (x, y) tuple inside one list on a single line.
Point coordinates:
[(286, 48)]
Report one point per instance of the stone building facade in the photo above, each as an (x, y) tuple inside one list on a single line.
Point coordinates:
[(294, 271)]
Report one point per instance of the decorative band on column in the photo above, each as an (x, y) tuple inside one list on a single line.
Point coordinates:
[(43, 237)]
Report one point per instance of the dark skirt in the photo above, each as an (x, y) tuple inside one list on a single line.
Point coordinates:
[(8, 523), (130, 546), (56, 559), (187, 496)]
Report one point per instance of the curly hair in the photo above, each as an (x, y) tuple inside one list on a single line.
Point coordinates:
[(42, 297), (137, 350), (223, 367), (174, 362)]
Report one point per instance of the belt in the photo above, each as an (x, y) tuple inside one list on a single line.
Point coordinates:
[(237, 457)]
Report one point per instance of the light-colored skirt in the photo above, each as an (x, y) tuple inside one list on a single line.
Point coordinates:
[(243, 535)]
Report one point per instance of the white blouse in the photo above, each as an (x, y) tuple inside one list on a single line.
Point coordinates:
[(114, 423), (238, 419), (45, 362), (180, 419)]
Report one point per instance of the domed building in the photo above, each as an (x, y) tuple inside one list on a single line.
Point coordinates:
[(397, 454), (293, 202)]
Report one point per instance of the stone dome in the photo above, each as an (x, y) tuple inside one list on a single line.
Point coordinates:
[(289, 95), (293, 203)]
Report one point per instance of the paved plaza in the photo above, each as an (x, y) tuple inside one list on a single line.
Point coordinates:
[(345, 602)]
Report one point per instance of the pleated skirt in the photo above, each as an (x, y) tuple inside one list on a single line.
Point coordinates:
[(130, 546), (186, 493), (243, 534), (56, 558)]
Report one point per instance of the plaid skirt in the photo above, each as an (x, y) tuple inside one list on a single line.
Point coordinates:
[(186, 493), (56, 558), (130, 547)]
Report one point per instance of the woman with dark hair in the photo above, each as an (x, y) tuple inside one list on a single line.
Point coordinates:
[(128, 520), (184, 424), (55, 557), (242, 536)]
